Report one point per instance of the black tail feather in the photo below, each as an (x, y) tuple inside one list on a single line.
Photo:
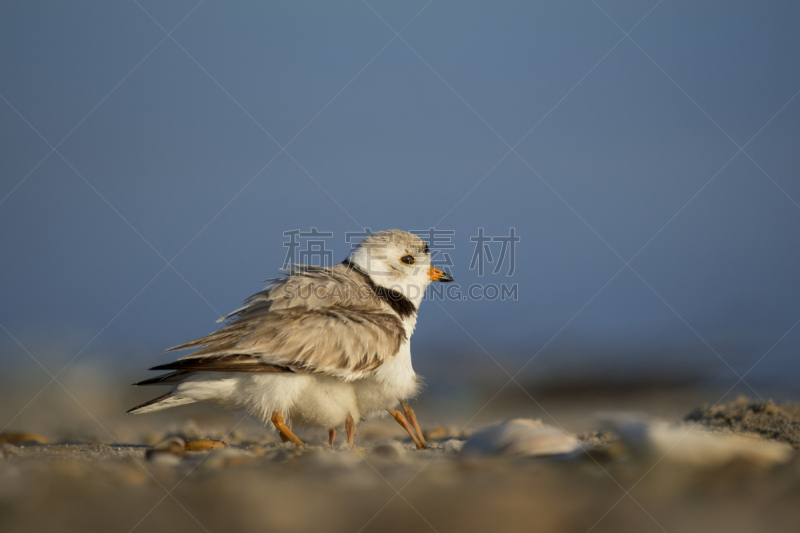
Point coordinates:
[(151, 402), (165, 379)]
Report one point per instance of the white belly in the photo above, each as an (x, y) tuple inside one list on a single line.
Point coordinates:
[(391, 383), (303, 399), (326, 403)]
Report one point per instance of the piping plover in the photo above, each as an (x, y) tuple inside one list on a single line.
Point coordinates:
[(320, 346)]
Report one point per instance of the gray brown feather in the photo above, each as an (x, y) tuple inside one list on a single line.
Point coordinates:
[(320, 320)]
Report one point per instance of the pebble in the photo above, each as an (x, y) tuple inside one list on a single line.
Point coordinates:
[(226, 458), (453, 445), (279, 455), (173, 446), (204, 445), (257, 450), (520, 438), (163, 457), (23, 438), (151, 439), (390, 450), (441, 432)]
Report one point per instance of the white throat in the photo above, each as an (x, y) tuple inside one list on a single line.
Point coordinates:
[(378, 266)]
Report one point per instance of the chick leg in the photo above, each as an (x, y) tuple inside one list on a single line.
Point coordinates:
[(350, 428), (331, 436), (413, 419), (284, 430), (402, 421)]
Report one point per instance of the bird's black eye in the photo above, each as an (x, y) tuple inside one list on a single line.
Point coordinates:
[(407, 259)]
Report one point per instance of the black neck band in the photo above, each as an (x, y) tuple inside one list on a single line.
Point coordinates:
[(396, 300)]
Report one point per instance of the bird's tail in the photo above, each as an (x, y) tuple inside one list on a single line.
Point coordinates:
[(166, 401)]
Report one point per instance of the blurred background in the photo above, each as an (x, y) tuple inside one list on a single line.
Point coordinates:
[(645, 154)]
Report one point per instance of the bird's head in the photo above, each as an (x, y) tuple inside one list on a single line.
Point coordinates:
[(397, 260)]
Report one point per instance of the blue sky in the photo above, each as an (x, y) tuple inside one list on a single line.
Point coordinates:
[(645, 153)]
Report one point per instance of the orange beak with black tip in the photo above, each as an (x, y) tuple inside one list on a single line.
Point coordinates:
[(438, 275)]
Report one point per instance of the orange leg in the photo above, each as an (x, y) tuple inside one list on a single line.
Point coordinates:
[(402, 421), (350, 428), (283, 429), (331, 436), (413, 419)]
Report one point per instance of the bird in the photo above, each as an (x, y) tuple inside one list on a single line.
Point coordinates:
[(318, 346)]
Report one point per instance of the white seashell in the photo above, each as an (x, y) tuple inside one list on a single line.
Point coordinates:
[(520, 438), (693, 445)]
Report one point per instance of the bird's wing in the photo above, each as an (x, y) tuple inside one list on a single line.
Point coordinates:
[(321, 321), (311, 287)]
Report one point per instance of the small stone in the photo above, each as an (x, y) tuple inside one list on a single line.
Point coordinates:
[(204, 445), (279, 455), (151, 439), (605, 452), (226, 458), (389, 450), (163, 457), (190, 430), (236, 437), (23, 438), (441, 432), (8, 450), (257, 451), (453, 445), (65, 449), (173, 445)]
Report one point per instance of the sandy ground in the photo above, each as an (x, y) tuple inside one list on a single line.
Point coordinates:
[(766, 419), (383, 484)]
